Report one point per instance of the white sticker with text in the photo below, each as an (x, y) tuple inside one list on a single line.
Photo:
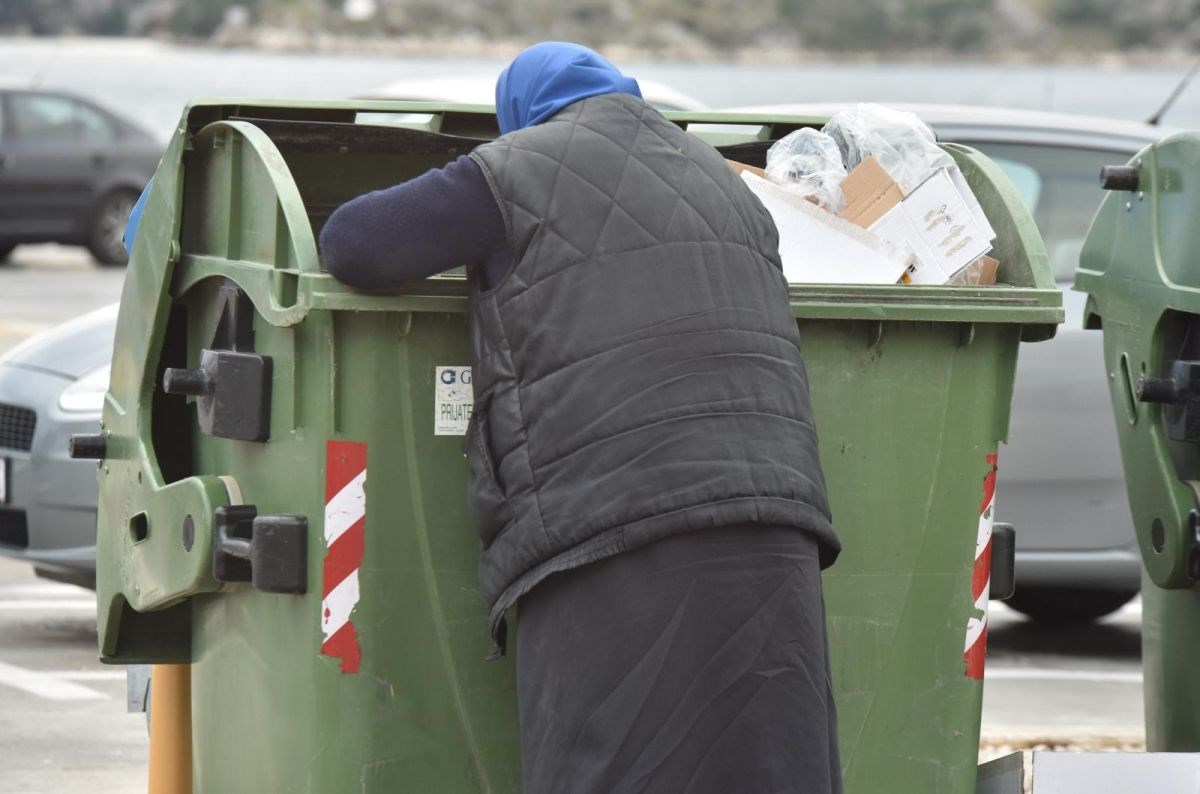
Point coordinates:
[(453, 400)]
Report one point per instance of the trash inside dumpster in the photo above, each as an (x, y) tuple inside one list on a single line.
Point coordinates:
[(917, 219)]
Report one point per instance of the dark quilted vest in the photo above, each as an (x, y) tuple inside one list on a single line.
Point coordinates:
[(637, 374)]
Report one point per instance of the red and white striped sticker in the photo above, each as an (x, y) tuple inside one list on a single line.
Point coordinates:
[(981, 577), (345, 530)]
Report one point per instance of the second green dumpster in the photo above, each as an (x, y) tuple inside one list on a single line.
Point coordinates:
[(1138, 267)]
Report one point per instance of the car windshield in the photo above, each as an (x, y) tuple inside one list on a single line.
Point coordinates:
[(1061, 187)]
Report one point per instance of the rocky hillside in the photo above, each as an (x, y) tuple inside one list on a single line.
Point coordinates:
[(672, 28)]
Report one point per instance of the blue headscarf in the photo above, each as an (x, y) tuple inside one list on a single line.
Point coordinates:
[(547, 77)]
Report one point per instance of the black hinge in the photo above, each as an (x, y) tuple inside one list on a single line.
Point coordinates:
[(233, 383)]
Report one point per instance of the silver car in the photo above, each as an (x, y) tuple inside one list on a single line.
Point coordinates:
[(480, 89), (52, 386), (1061, 482)]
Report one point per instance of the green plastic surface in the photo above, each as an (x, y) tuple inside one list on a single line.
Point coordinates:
[(910, 387), (1138, 267), (1169, 642)]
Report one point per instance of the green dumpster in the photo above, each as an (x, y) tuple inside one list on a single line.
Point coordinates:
[(1138, 267), (282, 478)]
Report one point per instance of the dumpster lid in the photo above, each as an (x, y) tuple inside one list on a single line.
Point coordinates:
[(431, 133)]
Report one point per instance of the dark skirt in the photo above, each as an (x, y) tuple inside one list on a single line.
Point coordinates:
[(697, 664)]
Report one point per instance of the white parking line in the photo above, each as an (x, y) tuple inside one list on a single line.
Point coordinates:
[(48, 605), (1042, 674), (41, 590), (23, 327), (1134, 607), (86, 675), (1131, 610), (45, 685)]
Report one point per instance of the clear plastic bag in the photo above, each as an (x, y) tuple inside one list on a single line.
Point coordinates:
[(902, 143), (808, 163), (980, 273)]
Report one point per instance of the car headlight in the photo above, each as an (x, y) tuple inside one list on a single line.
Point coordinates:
[(86, 395)]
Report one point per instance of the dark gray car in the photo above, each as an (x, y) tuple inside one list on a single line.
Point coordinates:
[(70, 172)]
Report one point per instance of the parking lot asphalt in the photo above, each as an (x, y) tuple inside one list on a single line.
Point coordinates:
[(63, 724), (43, 285)]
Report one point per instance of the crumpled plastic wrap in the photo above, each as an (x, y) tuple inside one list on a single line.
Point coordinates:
[(902, 143), (980, 273), (808, 163)]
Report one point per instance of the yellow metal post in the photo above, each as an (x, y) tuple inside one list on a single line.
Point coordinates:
[(171, 729)]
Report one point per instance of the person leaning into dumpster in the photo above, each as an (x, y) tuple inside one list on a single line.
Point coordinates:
[(643, 463)]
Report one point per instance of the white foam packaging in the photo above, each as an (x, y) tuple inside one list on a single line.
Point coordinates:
[(818, 247)]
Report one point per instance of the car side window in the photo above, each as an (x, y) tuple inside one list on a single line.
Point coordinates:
[(1025, 179), (49, 119), (44, 118), (1060, 185), (94, 128)]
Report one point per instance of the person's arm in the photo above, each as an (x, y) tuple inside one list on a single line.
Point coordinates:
[(443, 219)]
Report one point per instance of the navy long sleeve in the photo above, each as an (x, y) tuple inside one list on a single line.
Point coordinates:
[(443, 219)]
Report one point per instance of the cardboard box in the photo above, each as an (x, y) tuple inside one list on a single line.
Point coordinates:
[(980, 273), (739, 168), (960, 182), (940, 221), (818, 247), (989, 270), (869, 193)]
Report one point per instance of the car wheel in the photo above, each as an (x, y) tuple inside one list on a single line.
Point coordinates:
[(1068, 605), (5, 250), (106, 234)]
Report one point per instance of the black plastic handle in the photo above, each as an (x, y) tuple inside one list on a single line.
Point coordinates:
[(269, 551), (1157, 390), (1004, 562), (1119, 177), (192, 382), (87, 446)]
